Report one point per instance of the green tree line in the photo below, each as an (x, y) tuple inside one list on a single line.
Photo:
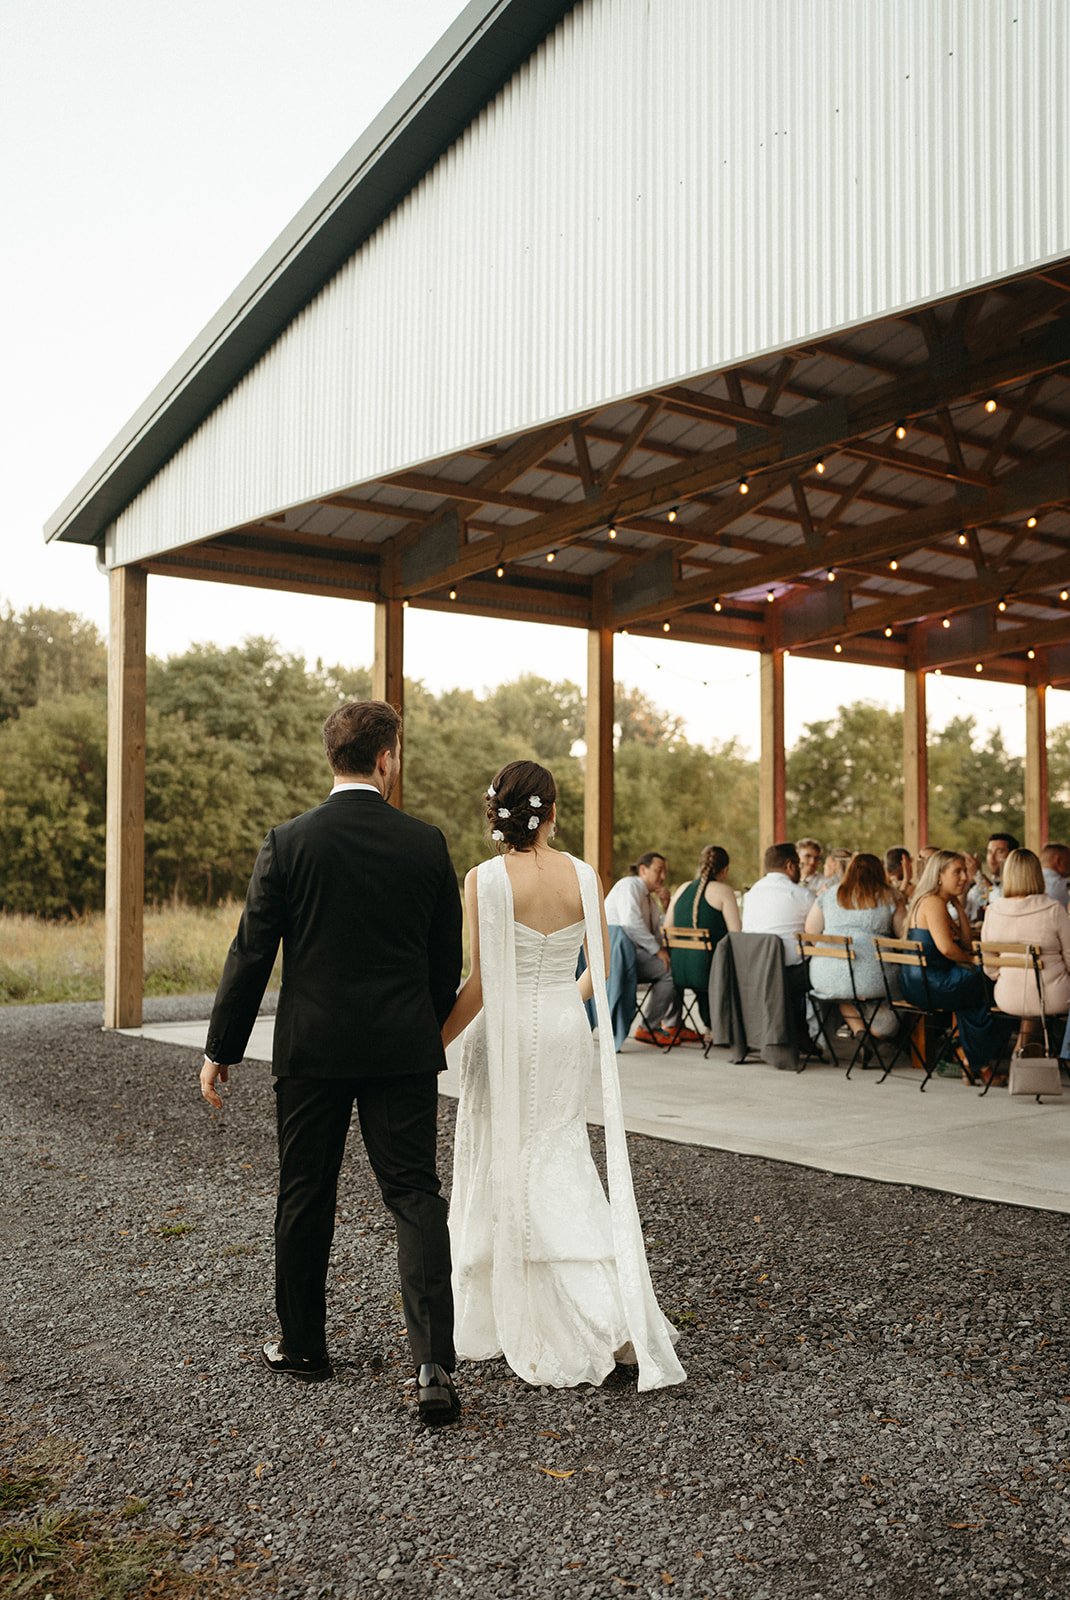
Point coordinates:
[(233, 746)]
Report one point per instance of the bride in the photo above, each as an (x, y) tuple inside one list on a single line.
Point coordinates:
[(545, 1270)]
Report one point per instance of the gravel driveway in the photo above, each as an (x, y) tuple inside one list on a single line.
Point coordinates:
[(878, 1395)]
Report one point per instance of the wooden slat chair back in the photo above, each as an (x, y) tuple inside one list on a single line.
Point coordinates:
[(838, 947), (688, 940), (899, 953), (1013, 955)]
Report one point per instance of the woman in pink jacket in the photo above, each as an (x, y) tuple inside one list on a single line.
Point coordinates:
[(1024, 914)]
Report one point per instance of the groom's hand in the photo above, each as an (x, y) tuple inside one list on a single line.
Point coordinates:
[(210, 1073)]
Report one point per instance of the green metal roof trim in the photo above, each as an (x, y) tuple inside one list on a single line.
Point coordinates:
[(469, 64)]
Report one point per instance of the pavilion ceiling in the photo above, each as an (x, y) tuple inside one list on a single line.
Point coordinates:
[(898, 494)]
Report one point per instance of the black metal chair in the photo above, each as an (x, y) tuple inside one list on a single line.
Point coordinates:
[(680, 941), (899, 953), (838, 947)]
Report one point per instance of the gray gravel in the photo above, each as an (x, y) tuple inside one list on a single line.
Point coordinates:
[(878, 1396)]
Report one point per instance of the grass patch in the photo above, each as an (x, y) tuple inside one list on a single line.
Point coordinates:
[(185, 948), (74, 1558), (240, 1250), (16, 1494), (174, 1230)]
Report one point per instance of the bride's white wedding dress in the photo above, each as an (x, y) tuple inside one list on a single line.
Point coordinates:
[(545, 1270)]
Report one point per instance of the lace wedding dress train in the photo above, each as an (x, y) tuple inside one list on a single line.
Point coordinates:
[(547, 1271)]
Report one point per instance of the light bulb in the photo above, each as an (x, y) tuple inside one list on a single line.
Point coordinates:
[(671, 515), (938, 673), (820, 469), (1064, 594), (838, 649), (887, 633), (453, 594), (979, 667), (612, 530), (717, 605), (946, 622), (501, 572), (962, 539), (893, 566), (404, 605), (770, 597), (831, 575), (1030, 522), (901, 430), (744, 486), (1031, 654), (1001, 605), (551, 556), (665, 627), (990, 405)]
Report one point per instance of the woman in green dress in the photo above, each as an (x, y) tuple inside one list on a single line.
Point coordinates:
[(706, 902)]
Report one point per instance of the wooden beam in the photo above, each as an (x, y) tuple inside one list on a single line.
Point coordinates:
[(1017, 493), (915, 763), (598, 772), (772, 806), (1002, 642), (1036, 767), (388, 682), (124, 893)]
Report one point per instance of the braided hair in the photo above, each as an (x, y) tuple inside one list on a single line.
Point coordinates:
[(711, 863), (518, 801)]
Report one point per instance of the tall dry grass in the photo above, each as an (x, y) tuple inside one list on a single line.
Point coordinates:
[(184, 953)]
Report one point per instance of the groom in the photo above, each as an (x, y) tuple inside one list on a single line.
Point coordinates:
[(365, 902)]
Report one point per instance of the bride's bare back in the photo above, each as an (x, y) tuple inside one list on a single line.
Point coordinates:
[(546, 890)]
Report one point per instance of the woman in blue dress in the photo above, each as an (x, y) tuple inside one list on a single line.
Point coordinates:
[(862, 905), (954, 983)]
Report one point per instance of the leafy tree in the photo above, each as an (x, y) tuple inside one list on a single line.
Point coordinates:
[(974, 789), (45, 654), (844, 779), (678, 800)]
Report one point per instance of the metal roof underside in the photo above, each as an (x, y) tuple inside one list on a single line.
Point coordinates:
[(466, 68), (907, 503)]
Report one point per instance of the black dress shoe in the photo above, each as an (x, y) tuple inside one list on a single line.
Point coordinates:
[(436, 1397), (309, 1369)]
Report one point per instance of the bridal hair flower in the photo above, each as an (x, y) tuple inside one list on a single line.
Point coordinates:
[(533, 823), (491, 792), (535, 801), (497, 835), (503, 811)]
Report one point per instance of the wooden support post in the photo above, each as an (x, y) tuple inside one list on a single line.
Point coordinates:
[(598, 780), (388, 666), (1036, 767), (124, 893), (772, 809), (915, 764)]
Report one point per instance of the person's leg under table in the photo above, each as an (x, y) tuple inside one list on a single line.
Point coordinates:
[(664, 1005), (399, 1125), (313, 1116)]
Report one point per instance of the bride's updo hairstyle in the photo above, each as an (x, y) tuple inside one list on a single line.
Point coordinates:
[(518, 801)]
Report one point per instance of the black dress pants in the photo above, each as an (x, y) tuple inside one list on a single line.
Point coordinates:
[(398, 1123)]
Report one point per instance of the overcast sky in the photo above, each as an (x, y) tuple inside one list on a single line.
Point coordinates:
[(150, 154)]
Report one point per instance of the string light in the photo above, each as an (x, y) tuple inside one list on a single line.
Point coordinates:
[(838, 649), (404, 605), (990, 406), (819, 468), (501, 572), (665, 627), (887, 633), (979, 667), (611, 530), (744, 486), (717, 605), (672, 514), (453, 594), (1064, 594), (946, 622), (551, 556), (1001, 604), (1032, 655), (893, 566), (901, 430), (938, 673), (1030, 522), (962, 538), (831, 575), (770, 597), (624, 633)]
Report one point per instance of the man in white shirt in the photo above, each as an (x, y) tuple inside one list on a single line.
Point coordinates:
[(1055, 863), (778, 903), (634, 905), (986, 885)]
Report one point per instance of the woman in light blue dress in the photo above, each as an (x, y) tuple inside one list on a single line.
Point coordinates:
[(864, 904)]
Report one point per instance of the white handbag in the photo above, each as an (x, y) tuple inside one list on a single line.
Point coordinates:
[(1036, 1075)]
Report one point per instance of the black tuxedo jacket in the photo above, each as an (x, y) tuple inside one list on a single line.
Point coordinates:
[(365, 901)]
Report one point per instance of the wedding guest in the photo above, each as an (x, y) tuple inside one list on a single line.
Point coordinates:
[(986, 884), (836, 863), (706, 902), (810, 875), (1026, 914), (1055, 864), (778, 902), (634, 905), (899, 869), (954, 982), (864, 904)]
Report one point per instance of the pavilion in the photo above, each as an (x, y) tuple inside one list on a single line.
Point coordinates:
[(746, 322)]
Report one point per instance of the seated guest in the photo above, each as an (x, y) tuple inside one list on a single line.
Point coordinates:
[(899, 869), (1026, 914), (633, 905), (986, 884), (705, 902), (836, 863), (954, 982), (778, 903), (1055, 864), (863, 905), (810, 876)]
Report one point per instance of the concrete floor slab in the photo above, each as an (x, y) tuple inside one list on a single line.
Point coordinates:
[(949, 1138)]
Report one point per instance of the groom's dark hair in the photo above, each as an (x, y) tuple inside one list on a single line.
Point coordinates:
[(356, 734)]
